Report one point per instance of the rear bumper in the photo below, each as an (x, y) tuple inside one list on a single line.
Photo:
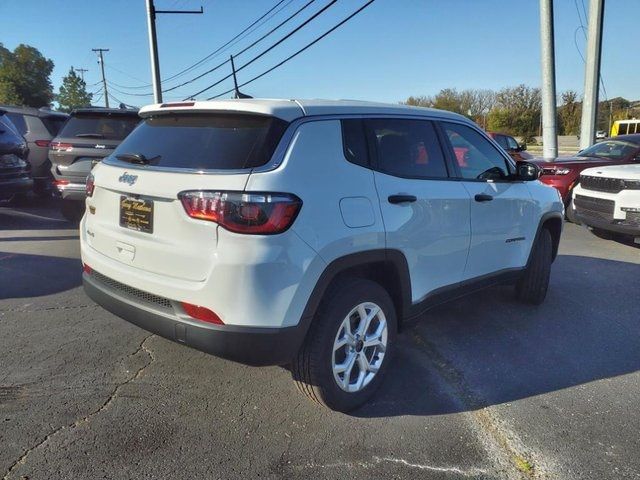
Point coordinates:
[(10, 187), (248, 345), (71, 191)]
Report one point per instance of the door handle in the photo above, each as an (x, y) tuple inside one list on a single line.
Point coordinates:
[(483, 197), (402, 198)]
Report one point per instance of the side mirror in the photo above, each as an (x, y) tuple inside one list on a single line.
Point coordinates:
[(527, 171), (523, 147)]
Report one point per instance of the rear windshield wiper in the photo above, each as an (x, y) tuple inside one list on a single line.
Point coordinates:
[(136, 158), (90, 135)]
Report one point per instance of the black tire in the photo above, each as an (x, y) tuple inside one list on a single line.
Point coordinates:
[(312, 368), (534, 282), (72, 210)]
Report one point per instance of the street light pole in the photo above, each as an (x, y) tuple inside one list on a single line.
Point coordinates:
[(592, 74), (153, 45), (549, 127), (104, 79)]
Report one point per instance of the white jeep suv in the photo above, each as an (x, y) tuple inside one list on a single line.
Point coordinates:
[(608, 198), (307, 233)]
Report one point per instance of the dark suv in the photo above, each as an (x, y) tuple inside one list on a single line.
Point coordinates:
[(38, 126), (15, 171), (89, 135)]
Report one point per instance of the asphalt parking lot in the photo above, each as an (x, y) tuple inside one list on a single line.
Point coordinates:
[(481, 388)]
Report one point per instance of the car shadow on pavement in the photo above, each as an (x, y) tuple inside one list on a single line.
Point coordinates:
[(488, 349), (33, 213), (24, 276)]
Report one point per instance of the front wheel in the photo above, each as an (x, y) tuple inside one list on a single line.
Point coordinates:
[(532, 286), (349, 345)]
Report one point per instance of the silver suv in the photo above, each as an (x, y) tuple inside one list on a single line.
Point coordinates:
[(89, 135), (308, 233)]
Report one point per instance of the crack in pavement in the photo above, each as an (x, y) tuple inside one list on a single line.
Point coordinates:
[(499, 440), (375, 461), (84, 420), (47, 309)]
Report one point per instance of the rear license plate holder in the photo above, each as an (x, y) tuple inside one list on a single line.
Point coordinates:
[(136, 214)]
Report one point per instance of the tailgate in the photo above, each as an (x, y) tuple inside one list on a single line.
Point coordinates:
[(135, 217)]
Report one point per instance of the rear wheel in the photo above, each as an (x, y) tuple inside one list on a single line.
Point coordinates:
[(72, 210), (348, 347), (532, 286)]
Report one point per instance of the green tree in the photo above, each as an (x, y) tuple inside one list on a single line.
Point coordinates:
[(24, 77), (569, 114), (73, 92), (516, 111)]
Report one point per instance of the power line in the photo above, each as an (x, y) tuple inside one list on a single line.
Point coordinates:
[(201, 61), (290, 17), (264, 52), (244, 49), (298, 52)]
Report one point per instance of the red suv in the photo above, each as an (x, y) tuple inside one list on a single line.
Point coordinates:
[(564, 172)]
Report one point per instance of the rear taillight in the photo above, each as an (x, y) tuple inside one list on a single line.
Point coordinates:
[(87, 269), (252, 213), (201, 313), (90, 185), (61, 147), (59, 183), (43, 143)]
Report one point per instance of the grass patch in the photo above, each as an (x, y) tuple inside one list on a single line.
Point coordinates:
[(523, 465)]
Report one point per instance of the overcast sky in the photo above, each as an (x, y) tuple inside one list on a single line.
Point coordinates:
[(393, 49)]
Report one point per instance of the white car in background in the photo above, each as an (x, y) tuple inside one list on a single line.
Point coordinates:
[(608, 198)]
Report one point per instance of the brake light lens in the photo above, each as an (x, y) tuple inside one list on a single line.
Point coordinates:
[(250, 213), (90, 185), (201, 313), (61, 147), (87, 269), (43, 143)]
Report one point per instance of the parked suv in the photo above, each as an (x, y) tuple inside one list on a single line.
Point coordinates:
[(38, 127), (15, 171), (564, 172), (608, 198), (89, 135), (307, 233)]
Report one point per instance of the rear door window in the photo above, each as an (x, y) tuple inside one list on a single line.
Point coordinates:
[(407, 148), (205, 141), (108, 127)]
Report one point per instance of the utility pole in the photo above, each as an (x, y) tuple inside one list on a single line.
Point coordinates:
[(104, 79), (153, 45), (81, 70), (592, 74), (549, 128)]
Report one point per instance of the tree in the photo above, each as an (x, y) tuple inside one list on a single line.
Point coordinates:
[(569, 114), (73, 92), (516, 111), (475, 104), (24, 77)]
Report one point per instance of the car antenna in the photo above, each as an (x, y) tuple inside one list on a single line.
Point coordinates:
[(236, 92)]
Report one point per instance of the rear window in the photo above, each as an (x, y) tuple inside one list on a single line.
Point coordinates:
[(205, 142), (109, 127), (53, 124), (18, 121)]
